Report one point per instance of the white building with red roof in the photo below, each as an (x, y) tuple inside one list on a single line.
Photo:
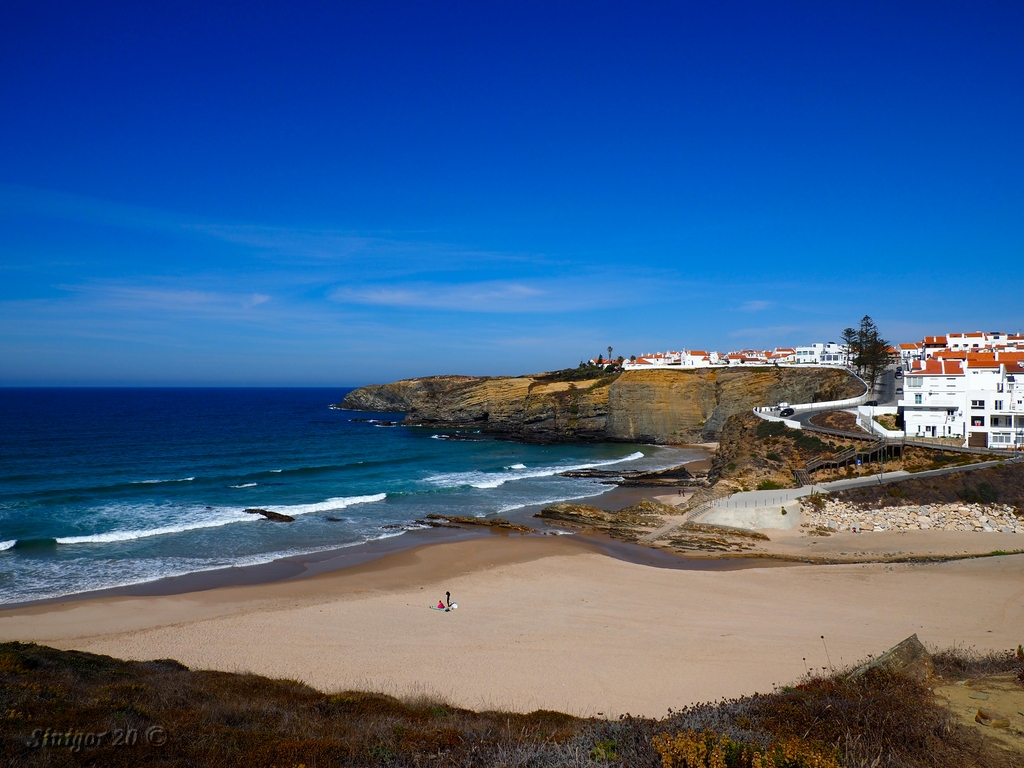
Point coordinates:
[(974, 397)]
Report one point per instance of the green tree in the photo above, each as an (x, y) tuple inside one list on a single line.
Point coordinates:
[(849, 337), (868, 351)]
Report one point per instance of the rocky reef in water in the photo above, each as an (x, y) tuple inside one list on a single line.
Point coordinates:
[(662, 407)]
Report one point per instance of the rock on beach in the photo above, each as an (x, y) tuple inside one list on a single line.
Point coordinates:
[(982, 518)]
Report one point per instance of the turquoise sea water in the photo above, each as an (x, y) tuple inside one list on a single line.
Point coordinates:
[(108, 487)]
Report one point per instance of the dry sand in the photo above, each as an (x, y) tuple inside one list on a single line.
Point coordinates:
[(547, 622)]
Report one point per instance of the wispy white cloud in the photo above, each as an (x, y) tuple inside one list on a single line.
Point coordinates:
[(387, 252), (296, 249), (756, 306), (496, 296), (135, 298)]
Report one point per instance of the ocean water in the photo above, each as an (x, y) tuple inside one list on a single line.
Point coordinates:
[(108, 487)]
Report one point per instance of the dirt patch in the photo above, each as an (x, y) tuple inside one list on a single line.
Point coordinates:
[(993, 706), (842, 420)]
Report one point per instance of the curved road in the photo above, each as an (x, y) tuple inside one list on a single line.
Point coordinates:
[(885, 393)]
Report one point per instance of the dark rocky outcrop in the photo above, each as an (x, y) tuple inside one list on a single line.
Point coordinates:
[(666, 407), (275, 516), (498, 523), (627, 524), (909, 657)]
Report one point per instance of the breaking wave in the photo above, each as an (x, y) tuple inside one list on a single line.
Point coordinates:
[(115, 536), (326, 506), (493, 480)]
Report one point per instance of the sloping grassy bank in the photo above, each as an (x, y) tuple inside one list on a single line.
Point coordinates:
[(70, 708)]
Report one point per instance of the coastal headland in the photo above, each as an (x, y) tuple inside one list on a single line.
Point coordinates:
[(660, 407)]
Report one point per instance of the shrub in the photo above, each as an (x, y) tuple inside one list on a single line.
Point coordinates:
[(710, 751), (773, 456), (771, 429), (807, 442), (960, 663), (982, 493), (769, 485)]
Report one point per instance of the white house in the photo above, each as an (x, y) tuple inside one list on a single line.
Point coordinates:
[(972, 342), (687, 358), (910, 353), (979, 401), (829, 353)]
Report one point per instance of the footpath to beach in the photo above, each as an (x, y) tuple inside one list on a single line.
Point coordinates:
[(549, 622)]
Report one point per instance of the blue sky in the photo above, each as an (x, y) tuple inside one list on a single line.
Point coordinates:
[(346, 193)]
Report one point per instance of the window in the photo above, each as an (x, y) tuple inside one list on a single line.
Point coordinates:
[(913, 381), (997, 405), (917, 399), (977, 421), (1001, 438), (977, 403), (994, 422)]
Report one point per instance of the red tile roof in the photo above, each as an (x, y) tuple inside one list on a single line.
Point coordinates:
[(937, 367)]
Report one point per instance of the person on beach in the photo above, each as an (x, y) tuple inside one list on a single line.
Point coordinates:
[(448, 599), (441, 606)]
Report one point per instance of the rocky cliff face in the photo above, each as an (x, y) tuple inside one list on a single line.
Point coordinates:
[(637, 406), (531, 408), (688, 406)]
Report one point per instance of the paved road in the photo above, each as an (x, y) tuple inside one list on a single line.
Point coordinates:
[(885, 393)]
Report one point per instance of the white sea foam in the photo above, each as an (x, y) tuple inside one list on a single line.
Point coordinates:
[(329, 505), (98, 576), (152, 482), (517, 466), (277, 470), (7, 544), (224, 518), (493, 480), (243, 485)]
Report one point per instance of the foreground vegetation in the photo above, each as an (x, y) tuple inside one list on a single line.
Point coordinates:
[(69, 708), (1002, 484)]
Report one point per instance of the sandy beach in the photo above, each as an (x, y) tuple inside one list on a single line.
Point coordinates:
[(548, 622)]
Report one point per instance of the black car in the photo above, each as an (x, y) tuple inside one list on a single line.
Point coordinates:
[(785, 412), (871, 402)]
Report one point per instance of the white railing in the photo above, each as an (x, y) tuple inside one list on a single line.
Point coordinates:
[(834, 405), (865, 417)]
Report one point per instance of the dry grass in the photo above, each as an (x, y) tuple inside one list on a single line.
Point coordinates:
[(1000, 484), (961, 663), (221, 719)]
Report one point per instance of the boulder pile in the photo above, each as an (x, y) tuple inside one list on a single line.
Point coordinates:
[(844, 516)]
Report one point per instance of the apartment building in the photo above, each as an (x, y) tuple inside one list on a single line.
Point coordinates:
[(828, 353), (979, 400)]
